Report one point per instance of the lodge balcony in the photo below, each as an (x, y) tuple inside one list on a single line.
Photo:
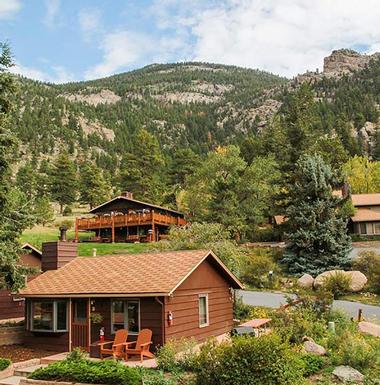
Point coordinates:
[(125, 227)]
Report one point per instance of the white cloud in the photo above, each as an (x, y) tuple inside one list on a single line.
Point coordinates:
[(126, 48), (9, 7), (58, 74), (89, 22), (286, 37), (52, 11)]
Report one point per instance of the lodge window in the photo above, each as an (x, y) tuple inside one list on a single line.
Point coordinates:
[(376, 228), (203, 310), (363, 228), (125, 315), (48, 316)]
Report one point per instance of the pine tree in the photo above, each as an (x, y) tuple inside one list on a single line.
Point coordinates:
[(43, 211), (14, 208), (93, 187), (26, 180), (317, 238), (64, 182)]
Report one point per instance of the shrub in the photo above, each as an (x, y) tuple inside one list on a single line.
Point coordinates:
[(4, 363), (338, 284), (89, 372), (313, 364), (250, 361), (368, 263), (67, 223), (76, 355), (67, 211), (242, 311), (157, 377), (177, 355), (256, 268), (353, 349)]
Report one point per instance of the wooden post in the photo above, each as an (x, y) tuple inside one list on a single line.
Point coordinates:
[(76, 229), (88, 325), (153, 237), (70, 322), (113, 227), (360, 315)]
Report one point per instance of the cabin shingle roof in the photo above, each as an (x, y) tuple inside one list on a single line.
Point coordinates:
[(128, 275), (366, 199), (366, 215)]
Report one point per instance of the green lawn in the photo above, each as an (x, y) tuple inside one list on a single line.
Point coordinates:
[(37, 235)]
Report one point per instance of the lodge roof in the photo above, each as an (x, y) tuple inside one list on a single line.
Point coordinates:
[(366, 199), (147, 274), (135, 201), (365, 215)]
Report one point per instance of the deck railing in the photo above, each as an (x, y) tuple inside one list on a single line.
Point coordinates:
[(131, 219)]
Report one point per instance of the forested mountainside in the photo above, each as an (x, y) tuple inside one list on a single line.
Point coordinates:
[(211, 140), (183, 105)]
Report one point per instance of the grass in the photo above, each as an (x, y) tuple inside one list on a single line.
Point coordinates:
[(37, 235), (366, 298)]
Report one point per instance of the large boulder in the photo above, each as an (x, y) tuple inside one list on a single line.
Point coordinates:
[(358, 280), (306, 281), (313, 348), (320, 279), (348, 375)]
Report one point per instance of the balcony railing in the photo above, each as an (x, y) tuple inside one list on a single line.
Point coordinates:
[(123, 220)]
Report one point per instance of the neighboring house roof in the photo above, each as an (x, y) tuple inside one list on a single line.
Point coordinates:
[(365, 199), (147, 274), (366, 215), (153, 206), (28, 246)]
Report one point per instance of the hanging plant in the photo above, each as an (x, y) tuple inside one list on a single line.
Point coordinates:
[(96, 318)]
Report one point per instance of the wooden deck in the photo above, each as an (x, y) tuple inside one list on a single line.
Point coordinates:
[(124, 220)]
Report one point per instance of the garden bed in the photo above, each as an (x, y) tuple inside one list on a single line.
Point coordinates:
[(17, 353)]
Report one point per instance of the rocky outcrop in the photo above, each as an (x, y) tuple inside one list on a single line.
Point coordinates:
[(369, 328), (321, 278), (306, 281), (345, 61), (103, 97), (348, 375)]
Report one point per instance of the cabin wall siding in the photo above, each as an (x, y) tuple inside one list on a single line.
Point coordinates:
[(184, 305)]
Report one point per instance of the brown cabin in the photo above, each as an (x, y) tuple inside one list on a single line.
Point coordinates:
[(125, 219), (11, 305), (366, 220), (135, 292)]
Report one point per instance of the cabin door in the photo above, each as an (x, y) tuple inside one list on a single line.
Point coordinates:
[(80, 324)]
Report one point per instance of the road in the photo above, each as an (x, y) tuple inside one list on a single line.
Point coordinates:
[(274, 300)]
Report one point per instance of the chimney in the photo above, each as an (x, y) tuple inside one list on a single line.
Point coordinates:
[(57, 254), (127, 194)]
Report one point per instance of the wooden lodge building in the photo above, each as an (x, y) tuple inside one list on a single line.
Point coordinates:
[(175, 294), (125, 219)]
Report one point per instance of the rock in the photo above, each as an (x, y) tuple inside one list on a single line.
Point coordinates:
[(369, 328), (346, 374), (319, 279), (313, 348), (358, 280), (306, 281)]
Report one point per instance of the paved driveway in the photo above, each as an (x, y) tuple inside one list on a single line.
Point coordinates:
[(274, 300)]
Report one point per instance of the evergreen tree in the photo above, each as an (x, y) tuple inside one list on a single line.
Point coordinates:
[(43, 211), (94, 189), (14, 208), (142, 168), (317, 238), (64, 182), (26, 180)]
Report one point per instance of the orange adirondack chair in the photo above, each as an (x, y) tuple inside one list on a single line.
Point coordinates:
[(141, 346), (117, 348)]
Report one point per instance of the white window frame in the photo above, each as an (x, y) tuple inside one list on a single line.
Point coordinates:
[(203, 325), (125, 309), (55, 321)]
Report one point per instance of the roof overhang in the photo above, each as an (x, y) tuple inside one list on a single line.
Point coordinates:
[(96, 295), (31, 247)]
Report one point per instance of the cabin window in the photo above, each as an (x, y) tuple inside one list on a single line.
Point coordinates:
[(376, 227), (363, 228), (203, 310), (48, 316), (126, 315)]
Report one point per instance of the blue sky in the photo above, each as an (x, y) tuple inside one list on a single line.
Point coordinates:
[(64, 40)]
